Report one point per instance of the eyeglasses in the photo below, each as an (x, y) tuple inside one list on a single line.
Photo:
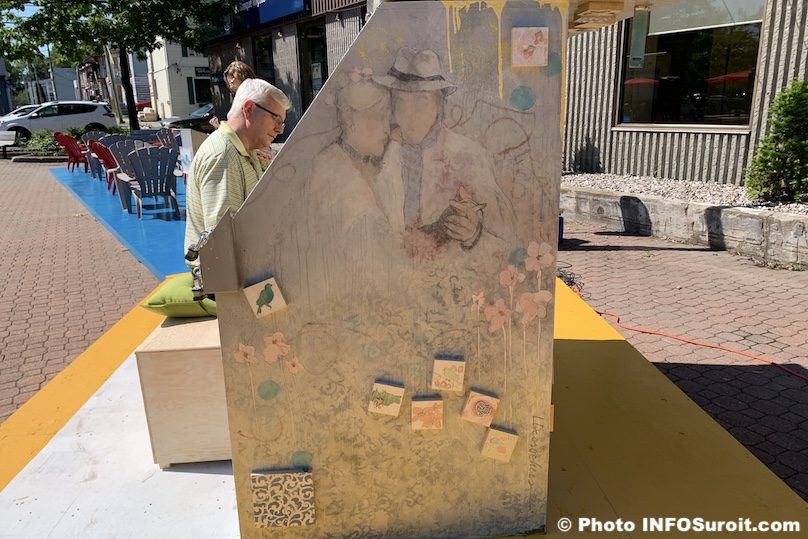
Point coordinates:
[(278, 120)]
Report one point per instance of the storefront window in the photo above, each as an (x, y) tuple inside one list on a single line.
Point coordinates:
[(262, 48), (696, 74)]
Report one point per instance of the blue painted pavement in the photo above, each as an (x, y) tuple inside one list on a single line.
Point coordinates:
[(156, 240)]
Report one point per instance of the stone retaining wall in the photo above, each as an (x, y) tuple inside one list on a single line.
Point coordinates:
[(772, 236)]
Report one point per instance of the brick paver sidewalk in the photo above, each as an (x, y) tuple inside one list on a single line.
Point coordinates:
[(66, 280), (710, 296)]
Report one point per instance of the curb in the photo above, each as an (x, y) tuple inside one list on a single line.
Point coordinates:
[(760, 233), (39, 159)]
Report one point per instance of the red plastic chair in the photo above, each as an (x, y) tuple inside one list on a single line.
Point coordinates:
[(73, 151), (107, 161)]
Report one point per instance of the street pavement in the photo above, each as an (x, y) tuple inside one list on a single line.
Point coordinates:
[(67, 280)]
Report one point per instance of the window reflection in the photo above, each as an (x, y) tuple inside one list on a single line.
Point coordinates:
[(703, 76)]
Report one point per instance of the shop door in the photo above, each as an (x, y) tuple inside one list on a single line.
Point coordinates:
[(313, 60)]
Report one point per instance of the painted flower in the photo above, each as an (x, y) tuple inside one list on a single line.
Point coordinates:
[(497, 314), (477, 301), (510, 277), (274, 347), (538, 256), (533, 305), (361, 74), (244, 354), (294, 366)]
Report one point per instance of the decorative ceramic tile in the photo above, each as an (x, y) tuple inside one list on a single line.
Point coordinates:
[(282, 499), (529, 47), (499, 444), (447, 374), (480, 408), (427, 414), (385, 399), (265, 298)]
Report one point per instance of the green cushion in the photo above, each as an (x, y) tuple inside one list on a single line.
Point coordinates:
[(176, 300)]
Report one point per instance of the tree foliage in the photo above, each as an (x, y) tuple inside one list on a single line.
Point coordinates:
[(80, 27), (779, 169)]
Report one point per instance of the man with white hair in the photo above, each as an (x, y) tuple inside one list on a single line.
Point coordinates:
[(226, 168)]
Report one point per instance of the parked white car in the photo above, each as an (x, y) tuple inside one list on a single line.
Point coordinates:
[(60, 116), (19, 111)]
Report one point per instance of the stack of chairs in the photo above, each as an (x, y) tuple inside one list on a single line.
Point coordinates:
[(95, 165)]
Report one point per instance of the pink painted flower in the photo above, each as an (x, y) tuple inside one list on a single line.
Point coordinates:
[(294, 366), (497, 314), (274, 347), (539, 256), (477, 301), (244, 354), (510, 277), (361, 74), (533, 305)]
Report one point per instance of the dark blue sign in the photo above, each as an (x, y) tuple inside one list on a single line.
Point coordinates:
[(252, 13)]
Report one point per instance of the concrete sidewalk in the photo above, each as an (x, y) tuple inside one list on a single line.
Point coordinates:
[(67, 280), (706, 295)]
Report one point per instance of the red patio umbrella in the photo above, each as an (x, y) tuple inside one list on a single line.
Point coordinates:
[(640, 81), (730, 78)]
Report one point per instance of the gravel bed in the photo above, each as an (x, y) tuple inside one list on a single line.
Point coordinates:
[(705, 192)]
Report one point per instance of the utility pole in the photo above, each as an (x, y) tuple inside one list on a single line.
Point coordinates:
[(52, 79), (113, 91)]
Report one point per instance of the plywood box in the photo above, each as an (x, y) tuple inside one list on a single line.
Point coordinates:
[(181, 378)]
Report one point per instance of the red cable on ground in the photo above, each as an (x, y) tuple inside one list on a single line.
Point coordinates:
[(704, 344)]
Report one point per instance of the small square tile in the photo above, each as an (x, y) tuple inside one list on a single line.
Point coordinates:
[(265, 298), (427, 414), (480, 408), (529, 46), (499, 444), (282, 499), (385, 399), (448, 375)]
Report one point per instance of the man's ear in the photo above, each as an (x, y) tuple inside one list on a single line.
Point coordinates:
[(247, 107)]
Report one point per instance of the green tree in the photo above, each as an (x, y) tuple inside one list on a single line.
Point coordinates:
[(79, 26), (779, 169)]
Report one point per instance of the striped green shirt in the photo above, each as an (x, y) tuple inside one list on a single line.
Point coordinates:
[(222, 174)]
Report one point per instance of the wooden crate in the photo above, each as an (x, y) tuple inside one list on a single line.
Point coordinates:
[(182, 381)]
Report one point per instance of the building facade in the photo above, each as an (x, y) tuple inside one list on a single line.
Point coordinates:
[(179, 80), (697, 104), (294, 44)]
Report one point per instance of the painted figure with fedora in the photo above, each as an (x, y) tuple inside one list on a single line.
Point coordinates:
[(436, 183)]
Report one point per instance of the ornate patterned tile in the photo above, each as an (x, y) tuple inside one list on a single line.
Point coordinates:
[(282, 499)]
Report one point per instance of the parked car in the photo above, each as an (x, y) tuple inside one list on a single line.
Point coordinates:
[(19, 111), (61, 116), (198, 120), (140, 105)]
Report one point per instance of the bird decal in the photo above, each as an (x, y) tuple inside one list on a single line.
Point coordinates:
[(265, 297)]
